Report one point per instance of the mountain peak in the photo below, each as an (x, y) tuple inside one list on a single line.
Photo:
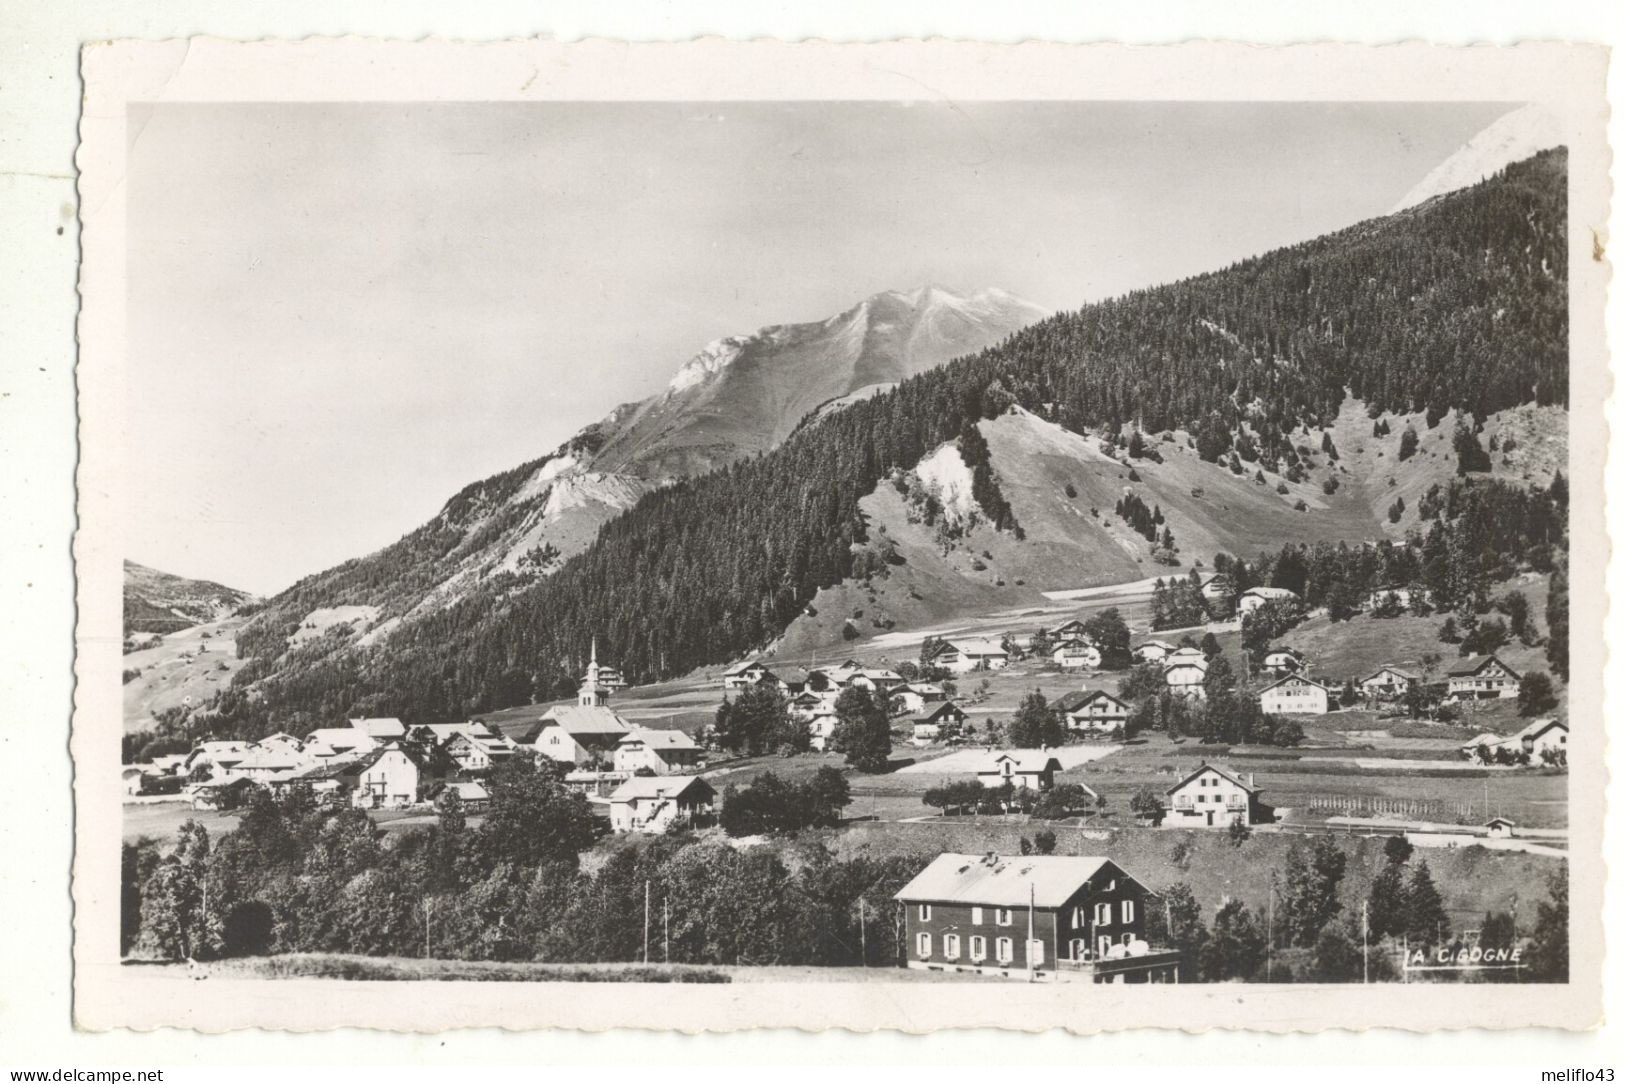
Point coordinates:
[(1510, 138)]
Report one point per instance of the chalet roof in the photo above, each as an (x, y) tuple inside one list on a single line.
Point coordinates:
[(998, 881), (338, 737), (1225, 772), (659, 739), (382, 751), (1023, 761), (935, 712), (663, 786), (336, 770), (1090, 697), (1164, 644), (1379, 671), (1077, 644), (881, 675), (1269, 592), (1177, 662), (793, 675), (1070, 701), (586, 719), (741, 667), (978, 647), (471, 791), (1539, 727), (1485, 738), (1290, 679), (380, 727), (1472, 664), (1294, 652), (924, 688), (1508, 821)]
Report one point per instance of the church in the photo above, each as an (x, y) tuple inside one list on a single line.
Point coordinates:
[(575, 733)]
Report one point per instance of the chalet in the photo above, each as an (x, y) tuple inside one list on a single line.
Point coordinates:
[(223, 796), (338, 743), (281, 742), (927, 725), (1153, 651), (653, 803), (792, 680), (472, 751), (1071, 630), (1036, 916), (1215, 586), (879, 682), (471, 795), (837, 677), (915, 695), (1185, 651), (394, 776), (1281, 661), (805, 705), (1212, 797), (964, 656), (1295, 694), (1254, 597), (1076, 655), (266, 765), (661, 751), (380, 730), (1388, 683), (1186, 676), (219, 757), (821, 727), (1020, 768), (168, 764), (335, 781), (1529, 745), (1378, 595), (1094, 713), (597, 786), (1481, 677), (742, 675)]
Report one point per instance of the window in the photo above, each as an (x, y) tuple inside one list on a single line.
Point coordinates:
[(1127, 910), (922, 945), (950, 946), (1004, 916), (975, 916), (925, 912), (1007, 950), (1035, 953), (1078, 918), (1102, 943), (1079, 948), (978, 949), (1103, 914), (1126, 938)]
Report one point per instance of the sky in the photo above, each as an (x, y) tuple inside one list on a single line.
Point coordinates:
[(341, 314)]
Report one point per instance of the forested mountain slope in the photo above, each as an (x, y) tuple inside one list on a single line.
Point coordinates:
[(1459, 304), (160, 602)]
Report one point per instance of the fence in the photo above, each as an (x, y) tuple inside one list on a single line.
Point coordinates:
[(1398, 808)]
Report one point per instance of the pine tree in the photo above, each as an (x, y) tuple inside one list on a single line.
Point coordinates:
[(1426, 922), (862, 731)]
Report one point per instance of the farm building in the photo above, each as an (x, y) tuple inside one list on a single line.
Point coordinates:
[(1388, 683), (1481, 677), (474, 796), (1049, 916), (1295, 694), (1213, 797), (653, 803)]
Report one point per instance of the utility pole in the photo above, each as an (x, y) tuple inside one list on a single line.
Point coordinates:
[(665, 905), (1269, 933), (646, 922), (1032, 899), (863, 932), (1365, 941), (428, 944)]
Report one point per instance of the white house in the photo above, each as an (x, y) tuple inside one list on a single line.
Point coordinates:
[(1281, 661), (652, 803), (392, 777), (220, 757), (573, 733), (1254, 597), (743, 674), (1212, 797), (1020, 768), (1388, 683), (877, 681), (1071, 630), (1532, 741), (661, 751), (1186, 677), (821, 727), (1215, 585), (1482, 677), (1076, 655), (914, 696), (1095, 712), (1295, 694), (335, 743), (1153, 651), (963, 656)]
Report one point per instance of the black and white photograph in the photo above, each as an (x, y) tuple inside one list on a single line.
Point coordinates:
[(1005, 545)]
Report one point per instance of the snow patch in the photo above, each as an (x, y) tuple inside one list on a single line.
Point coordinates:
[(715, 357)]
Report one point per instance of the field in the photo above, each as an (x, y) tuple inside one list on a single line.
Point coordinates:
[(184, 668)]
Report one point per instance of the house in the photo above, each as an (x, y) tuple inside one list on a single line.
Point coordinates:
[(915, 695), (1379, 595), (1076, 655), (597, 786), (393, 776), (133, 779), (880, 682), (653, 803), (1481, 677), (1500, 828), (964, 656), (803, 706), (1153, 651), (219, 757), (792, 680), (1186, 676), (1095, 712), (266, 765), (661, 751), (1019, 768), (168, 764), (1213, 797), (333, 781), (602, 674), (281, 742), (1215, 586), (476, 749), (380, 730), (472, 795), (575, 733), (1038, 916), (1254, 597), (338, 743), (1281, 661), (927, 725), (1185, 651), (1388, 683), (743, 674), (1543, 735), (1071, 630), (821, 727), (837, 677), (1295, 694), (223, 796)]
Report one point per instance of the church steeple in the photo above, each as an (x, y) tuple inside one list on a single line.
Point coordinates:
[(592, 694)]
